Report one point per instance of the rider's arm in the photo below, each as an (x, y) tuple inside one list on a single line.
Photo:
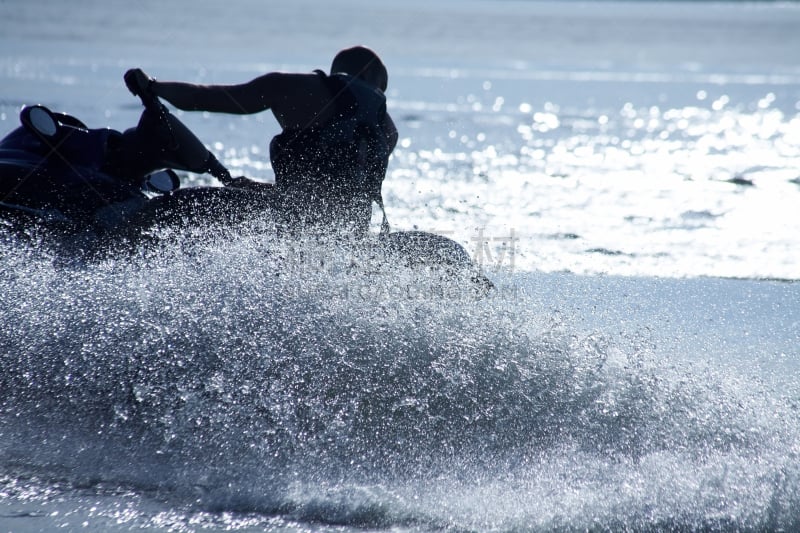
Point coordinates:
[(295, 99), (245, 98)]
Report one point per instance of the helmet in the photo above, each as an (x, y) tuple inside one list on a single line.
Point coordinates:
[(361, 62)]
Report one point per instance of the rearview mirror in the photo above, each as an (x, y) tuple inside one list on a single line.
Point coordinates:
[(39, 120), (161, 182)]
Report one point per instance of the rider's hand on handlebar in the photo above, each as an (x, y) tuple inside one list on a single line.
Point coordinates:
[(139, 83)]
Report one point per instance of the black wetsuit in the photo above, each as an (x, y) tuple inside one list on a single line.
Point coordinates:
[(328, 176)]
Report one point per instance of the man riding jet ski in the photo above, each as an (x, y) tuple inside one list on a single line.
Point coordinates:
[(331, 157), (330, 160)]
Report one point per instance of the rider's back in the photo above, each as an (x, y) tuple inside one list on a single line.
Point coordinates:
[(329, 173)]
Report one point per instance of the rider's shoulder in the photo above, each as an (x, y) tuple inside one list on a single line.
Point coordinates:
[(287, 81)]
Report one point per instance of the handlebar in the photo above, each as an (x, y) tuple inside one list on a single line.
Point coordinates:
[(195, 156), (140, 84)]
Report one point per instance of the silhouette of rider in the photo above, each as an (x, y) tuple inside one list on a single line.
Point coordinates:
[(331, 156)]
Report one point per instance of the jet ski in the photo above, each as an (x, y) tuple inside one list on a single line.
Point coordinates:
[(63, 182)]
